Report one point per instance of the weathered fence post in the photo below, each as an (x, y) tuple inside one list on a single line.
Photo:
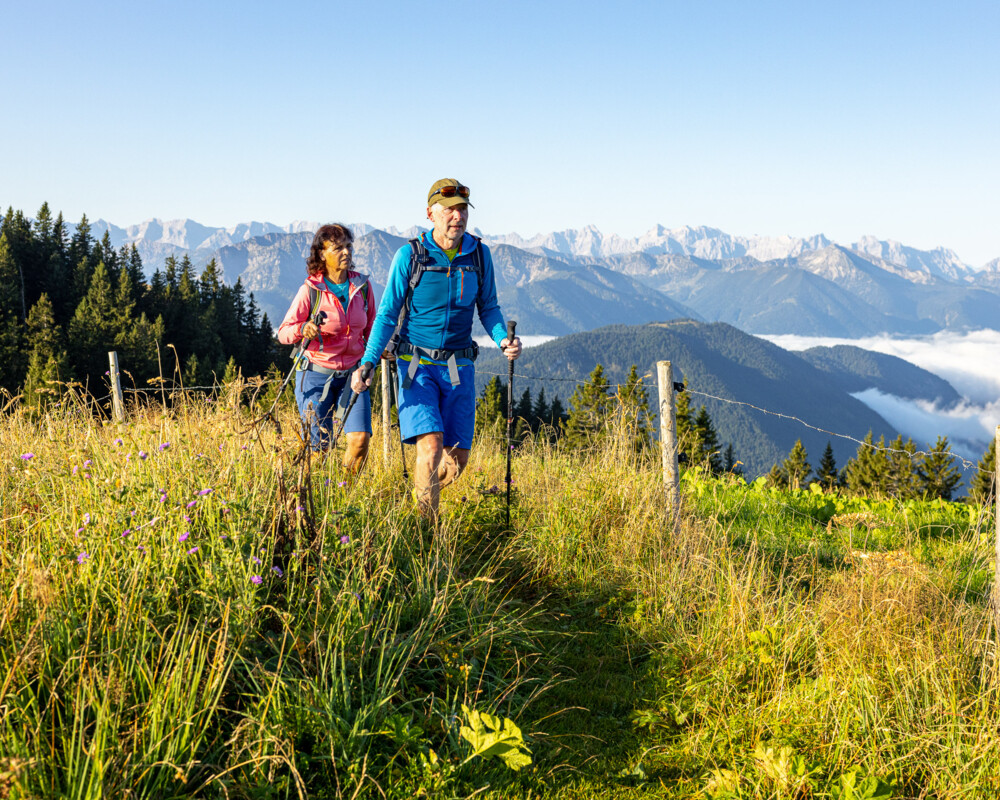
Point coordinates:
[(117, 401), (386, 412), (668, 434)]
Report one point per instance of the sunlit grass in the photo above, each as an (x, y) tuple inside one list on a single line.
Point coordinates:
[(190, 609)]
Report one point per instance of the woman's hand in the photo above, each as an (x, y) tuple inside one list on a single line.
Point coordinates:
[(309, 331)]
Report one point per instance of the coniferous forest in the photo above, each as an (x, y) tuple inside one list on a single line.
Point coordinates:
[(66, 300)]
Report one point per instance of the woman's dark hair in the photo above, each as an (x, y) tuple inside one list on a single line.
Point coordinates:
[(336, 233)]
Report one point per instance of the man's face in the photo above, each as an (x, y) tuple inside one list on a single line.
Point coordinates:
[(449, 223)]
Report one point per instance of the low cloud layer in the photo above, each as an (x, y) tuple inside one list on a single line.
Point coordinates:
[(968, 361)]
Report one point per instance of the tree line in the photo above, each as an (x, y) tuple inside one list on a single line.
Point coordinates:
[(597, 408), (67, 299)]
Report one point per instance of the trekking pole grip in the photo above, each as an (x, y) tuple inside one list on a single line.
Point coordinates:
[(511, 324)]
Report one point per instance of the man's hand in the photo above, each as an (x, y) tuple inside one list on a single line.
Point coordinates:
[(511, 349), (359, 385), (309, 331)]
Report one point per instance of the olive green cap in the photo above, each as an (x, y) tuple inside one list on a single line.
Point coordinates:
[(433, 196)]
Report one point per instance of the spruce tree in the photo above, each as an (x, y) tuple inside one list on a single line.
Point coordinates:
[(796, 467), (706, 442), (588, 415), (633, 412), (684, 420), (540, 411), (903, 480), (94, 329), (984, 485), (938, 475), (827, 474), (489, 407), (12, 359), (557, 416), (866, 474), (48, 362)]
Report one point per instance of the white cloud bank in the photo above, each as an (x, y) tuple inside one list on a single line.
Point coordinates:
[(968, 361)]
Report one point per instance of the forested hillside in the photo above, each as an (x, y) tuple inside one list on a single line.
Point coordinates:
[(715, 359), (65, 301)]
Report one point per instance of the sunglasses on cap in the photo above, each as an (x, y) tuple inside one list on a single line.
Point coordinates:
[(451, 191)]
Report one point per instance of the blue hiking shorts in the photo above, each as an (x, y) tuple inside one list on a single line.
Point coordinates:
[(432, 404), (322, 416)]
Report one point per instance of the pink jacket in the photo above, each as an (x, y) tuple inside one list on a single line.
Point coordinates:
[(343, 336)]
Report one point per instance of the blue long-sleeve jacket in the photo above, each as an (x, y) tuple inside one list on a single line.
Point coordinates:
[(440, 316)]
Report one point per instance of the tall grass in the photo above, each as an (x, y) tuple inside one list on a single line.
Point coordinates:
[(187, 609)]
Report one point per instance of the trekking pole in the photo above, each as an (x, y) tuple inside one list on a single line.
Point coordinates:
[(366, 370), (394, 382), (510, 412)]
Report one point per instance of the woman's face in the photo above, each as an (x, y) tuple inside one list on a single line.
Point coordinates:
[(337, 256)]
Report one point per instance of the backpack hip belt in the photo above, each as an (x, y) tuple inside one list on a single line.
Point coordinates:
[(450, 356), (332, 375)]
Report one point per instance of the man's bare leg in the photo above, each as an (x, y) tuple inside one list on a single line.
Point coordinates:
[(427, 485), (357, 451), (453, 462)]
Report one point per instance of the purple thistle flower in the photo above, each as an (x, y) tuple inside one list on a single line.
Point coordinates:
[(345, 539), (87, 463), (192, 504), (342, 483), (187, 518), (143, 454), (79, 531), (163, 446), (183, 537), (192, 551), (224, 536), (86, 474), (126, 532), (119, 442), (82, 557), (75, 469), (203, 492), (86, 518), (256, 579), (163, 498), (143, 549), (277, 571), (255, 560), (326, 482), (27, 456)]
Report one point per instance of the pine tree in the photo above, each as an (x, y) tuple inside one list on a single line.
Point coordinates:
[(796, 466), (777, 477), (938, 475), (827, 474), (588, 416), (984, 485)]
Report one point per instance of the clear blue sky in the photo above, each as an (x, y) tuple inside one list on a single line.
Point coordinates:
[(770, 118)]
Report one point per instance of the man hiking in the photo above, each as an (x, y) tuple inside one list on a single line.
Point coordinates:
[(435, 283)]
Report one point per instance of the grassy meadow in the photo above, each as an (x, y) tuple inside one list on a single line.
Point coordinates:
[(192, 609)]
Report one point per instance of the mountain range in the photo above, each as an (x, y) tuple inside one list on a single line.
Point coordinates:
[(579, 279)]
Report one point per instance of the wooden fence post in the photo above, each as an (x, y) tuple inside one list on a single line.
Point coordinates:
[(117, 401), (668, 434), (386, 402)]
